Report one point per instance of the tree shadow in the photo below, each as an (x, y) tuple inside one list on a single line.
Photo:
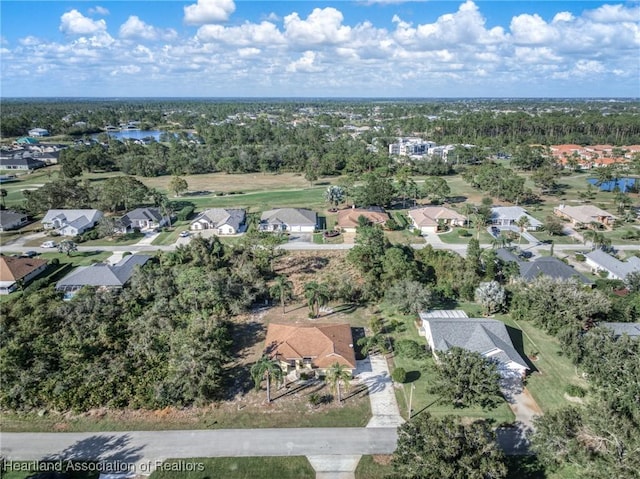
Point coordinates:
[(357, 391), (113, 452), (456, 199), (412, 376), (357, 334)]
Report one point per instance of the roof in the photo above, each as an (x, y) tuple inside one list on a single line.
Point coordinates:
[(630, 329), (488, 337), (429, 215), (145, 214), (27, 161), (70, 216), (584, 213), (101, 274), (290, 216), (325, 344), (10, 217), (223, 216), (13, 269), (513, 213), (348, 218), (506, 255), (612, 264), (552, 267), (442, 313)]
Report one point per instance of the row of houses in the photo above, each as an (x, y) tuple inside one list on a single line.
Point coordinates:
[(587, 157)]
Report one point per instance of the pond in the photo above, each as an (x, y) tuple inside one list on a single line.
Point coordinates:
[(623, 184), (134, 134)]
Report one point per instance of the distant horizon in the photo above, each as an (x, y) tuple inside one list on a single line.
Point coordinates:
[(407, 98), (320, 49)]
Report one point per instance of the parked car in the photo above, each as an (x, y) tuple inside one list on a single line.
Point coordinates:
[(29, 254), (48, 244), (184, 234)]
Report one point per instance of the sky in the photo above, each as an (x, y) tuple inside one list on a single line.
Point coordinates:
[(309, 48)]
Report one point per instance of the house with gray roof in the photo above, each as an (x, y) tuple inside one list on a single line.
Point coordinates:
[(543, 266), (288, 220), (223, 221), (598, 260), (71, 222), (144, 219), (20, 162), (11, 220), (619, 329), (489, 337), (102, 275), (509, 215)]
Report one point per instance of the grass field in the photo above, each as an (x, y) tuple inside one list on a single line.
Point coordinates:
[(290, 467)]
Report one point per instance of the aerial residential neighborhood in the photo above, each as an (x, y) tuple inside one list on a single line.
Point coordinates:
[(296, 240)]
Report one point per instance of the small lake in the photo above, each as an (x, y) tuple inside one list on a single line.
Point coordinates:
[(134, 134), (623, 184)]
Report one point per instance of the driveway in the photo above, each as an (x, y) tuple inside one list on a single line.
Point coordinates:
[(520, 401), (374, 372)]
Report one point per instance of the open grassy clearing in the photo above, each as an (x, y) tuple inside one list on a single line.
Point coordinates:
[(453, 237), (290, 467)]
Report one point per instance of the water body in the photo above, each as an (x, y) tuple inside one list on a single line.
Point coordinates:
[(135, 134), (623, 184)]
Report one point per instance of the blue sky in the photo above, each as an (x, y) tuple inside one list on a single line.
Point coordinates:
[(369, 48)]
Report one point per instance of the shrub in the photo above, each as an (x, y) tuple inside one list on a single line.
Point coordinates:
[(392, 225), (580, 257), (399, 375), (463, 233), (315, 399), (185, 213), (55, 261), (576, 391), (409, 348)]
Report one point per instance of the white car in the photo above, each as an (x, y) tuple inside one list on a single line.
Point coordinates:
[(48, 244), (184, 234)]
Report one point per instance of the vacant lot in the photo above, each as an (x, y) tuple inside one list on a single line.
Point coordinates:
[(292, 467)]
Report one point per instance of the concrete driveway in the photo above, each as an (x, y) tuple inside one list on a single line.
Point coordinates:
[(374, 373)]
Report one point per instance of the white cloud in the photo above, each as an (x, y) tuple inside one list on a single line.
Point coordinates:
[(136, 28), (98, 10), (305, 64), (614, 14), (563, 17), (208, 11), (264, 33), (322, 26), (532, 30), (126, 70), (75, 23)]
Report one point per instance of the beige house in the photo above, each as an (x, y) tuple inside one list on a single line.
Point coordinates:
[(428, 218), (584, 215), (310, 349), (348, 218)]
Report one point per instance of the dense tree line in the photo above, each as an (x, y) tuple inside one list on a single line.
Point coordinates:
[(163, 340)]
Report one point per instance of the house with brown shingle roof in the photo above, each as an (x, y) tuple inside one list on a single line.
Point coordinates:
[(348, 218), (14, 271), (583, 216), (310, 348), (428, 218)]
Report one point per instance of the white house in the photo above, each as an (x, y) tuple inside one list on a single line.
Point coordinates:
[(71, 222), (509, 215), (222, 220), (288, 220), (489, 337), (598, 260), (38, 132)]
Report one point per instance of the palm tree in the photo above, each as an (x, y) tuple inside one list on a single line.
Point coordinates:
[(336, 375), (522, 223), (283, 289), (266, 367), (317, 295)]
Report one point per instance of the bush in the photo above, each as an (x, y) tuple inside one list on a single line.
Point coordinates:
[(576, 391), (55, 261), (399, 375), (580, 258), (409, 348), (185, 213), (392, 225), (463, 233)]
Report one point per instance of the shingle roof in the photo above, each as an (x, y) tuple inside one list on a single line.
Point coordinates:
[(290, 216), (9, 217), (71, 215), (348, 218), (584, 213), (506, 255), (513, 213), (552, 267), (325, 344), (620, 268), (631, 329), (488, 337), (223, 216), (13, 269), (429, 215), (102, 274), (145, 214)]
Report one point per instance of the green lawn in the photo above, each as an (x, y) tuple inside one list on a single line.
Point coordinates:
[(453, 237), (562, 239), (28, 469), (374, 467), (289, 467)]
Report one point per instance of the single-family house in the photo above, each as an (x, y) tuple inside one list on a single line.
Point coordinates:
[(102, 275), (71, 222), (549, 266), (38, 132), (223, 221), (489, 337), (428, 218), (285, 220), (598, 260), (348, 218), (619, 329), (510, 215), (144, 219), (20, 162), (11, 220), (310, 349), (584, 216), (26, 140), (16, 271)]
